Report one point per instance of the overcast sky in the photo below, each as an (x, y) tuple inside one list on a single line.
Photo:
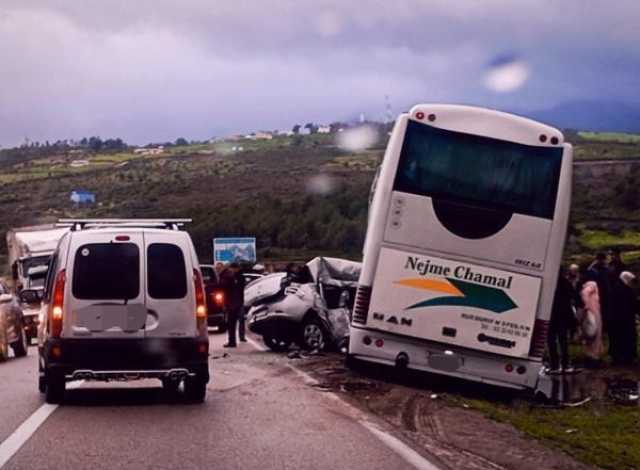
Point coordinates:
[(155, 70)]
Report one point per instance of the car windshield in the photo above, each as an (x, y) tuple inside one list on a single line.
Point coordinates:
[(479, 171)]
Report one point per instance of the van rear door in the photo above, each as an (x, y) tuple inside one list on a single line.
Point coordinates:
[(107, 287), (170, 296)]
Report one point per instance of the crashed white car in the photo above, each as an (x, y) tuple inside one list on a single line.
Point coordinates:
[(314, 313)]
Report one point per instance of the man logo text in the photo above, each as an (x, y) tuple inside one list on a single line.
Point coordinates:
[(394, 320)]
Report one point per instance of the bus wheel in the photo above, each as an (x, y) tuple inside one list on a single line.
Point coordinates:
[(55, 388), (352, 363)]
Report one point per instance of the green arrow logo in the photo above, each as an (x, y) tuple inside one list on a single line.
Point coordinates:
[(473, 295)]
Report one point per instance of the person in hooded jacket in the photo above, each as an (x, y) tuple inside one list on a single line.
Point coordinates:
[(561, 323), (624, 308), (590, 320)]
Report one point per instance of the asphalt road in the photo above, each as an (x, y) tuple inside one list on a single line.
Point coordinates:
[(259, 413)]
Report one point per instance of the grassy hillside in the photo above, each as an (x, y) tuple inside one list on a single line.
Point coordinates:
[(296, 195)]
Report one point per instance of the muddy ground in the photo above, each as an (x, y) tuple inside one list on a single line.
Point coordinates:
[(431, 413)]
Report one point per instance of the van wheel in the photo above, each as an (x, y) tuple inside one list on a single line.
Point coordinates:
[(20, 347), (170, 387), (42, 380), (55, 388), (313, 335), (276, 344), (195, 389)]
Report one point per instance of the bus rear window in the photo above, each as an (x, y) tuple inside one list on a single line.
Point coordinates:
[(479, 171), (167, 272), (107, 271)]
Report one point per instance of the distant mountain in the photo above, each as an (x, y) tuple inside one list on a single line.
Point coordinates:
[(602, 116)]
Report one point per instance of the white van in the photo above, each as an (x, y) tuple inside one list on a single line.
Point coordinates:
[(124, 299)]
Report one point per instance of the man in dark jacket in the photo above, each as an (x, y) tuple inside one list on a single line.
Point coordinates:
[(624, 308), (233, 284), (616, 266), (562, 321)]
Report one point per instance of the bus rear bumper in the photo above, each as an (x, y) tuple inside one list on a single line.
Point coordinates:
[(402, 352)]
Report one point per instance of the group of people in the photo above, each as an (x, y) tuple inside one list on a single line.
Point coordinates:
[(589, 305)]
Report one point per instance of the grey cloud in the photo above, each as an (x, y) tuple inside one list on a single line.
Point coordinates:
[(157, 69)]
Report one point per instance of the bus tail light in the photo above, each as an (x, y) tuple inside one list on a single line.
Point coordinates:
[(201, 303), (539, 339), (57, 305), (361, 305)]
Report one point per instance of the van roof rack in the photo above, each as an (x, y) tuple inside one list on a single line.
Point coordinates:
[(82, 224)]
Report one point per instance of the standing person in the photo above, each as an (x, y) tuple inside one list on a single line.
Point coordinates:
[(601, 270), (219, 268), (616, 266), (590, 319), (233, 283), (573, 275), (562, 322), (624, 308)]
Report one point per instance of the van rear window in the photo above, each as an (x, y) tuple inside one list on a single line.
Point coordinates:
[(107, 271), (167, 272)]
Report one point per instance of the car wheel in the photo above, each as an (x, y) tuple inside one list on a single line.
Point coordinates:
[(20, 347), (195, 389), (55, 388), (313, 335), (276, 344)]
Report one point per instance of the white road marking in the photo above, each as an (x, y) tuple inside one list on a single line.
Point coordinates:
[(403, 450), (21, 435)]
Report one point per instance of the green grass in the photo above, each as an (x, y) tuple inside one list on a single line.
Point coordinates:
[(618, 137), (604, 435), (601, 240)]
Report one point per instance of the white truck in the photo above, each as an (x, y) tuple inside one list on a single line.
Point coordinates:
[(30, 249)]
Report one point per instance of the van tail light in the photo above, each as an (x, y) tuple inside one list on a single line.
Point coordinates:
[(539, 339), (56, 307), (201, 302), (361, 305)]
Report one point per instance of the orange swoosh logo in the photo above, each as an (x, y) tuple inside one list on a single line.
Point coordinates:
[(432, 285)]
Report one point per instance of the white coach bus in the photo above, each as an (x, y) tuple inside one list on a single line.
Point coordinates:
[(466, 230)]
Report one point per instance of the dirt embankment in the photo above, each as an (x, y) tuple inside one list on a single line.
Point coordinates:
[(431, 413)]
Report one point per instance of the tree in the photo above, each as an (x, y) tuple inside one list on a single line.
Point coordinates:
[(95, 144), (312, 127), (296, 129), (181, 141)]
